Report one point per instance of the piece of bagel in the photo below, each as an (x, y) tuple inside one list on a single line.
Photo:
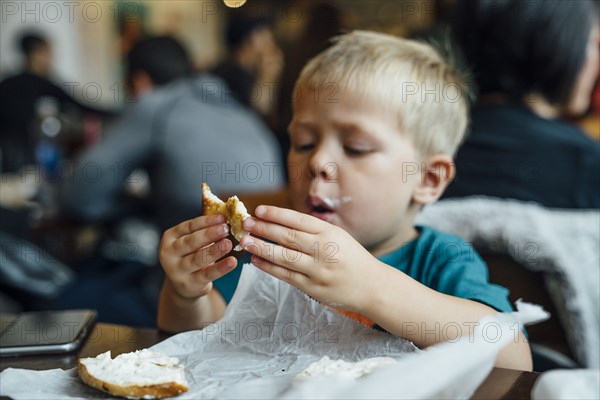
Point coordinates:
[(211, 203), (140, 374), (234, 210)]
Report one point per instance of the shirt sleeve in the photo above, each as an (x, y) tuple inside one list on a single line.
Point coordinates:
[(465, 275)]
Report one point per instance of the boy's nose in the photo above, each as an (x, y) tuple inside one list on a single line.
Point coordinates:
[(323, 162), (321, 169)]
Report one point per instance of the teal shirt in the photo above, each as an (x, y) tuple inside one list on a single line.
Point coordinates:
[(450, 265), (441, 261)]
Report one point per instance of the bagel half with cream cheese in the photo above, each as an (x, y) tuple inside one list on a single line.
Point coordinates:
[(140, 374)]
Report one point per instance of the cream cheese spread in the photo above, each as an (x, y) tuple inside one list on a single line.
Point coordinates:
[(327, 367), (335, 203), (139, 368)]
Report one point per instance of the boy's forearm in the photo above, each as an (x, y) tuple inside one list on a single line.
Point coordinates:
[(516, 355), (408, 309), (176, 314)]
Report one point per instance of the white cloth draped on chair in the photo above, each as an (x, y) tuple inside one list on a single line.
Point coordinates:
[(564, 244)]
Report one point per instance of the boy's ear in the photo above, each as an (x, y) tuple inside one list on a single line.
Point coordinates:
[(438, 172)]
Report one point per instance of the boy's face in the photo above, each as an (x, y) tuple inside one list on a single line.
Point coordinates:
[(350, 165)]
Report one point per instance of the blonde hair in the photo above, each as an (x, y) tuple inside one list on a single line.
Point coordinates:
[(409, 78)]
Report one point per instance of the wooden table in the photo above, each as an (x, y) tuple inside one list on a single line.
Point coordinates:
[(500, 384)]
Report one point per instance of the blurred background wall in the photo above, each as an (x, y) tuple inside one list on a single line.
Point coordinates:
[(89, 37)]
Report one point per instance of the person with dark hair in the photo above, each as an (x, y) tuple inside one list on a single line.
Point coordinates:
[(183, 130), (253, 64), (156, 61), (534, 63), (37, 53), (23, 94)]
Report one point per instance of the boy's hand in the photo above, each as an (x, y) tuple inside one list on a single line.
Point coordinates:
[(319, 258), (189, 251)]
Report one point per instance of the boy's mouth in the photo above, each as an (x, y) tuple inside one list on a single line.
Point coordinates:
[(320, 208)]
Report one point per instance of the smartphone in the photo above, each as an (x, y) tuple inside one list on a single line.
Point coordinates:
[(45, 332)]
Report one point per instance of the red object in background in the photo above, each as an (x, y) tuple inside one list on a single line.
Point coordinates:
[(92, 130)]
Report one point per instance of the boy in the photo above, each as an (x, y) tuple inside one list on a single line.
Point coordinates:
[(367, 157)]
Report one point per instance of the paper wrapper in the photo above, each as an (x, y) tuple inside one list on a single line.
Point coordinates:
[(567, 384), (272, 331)]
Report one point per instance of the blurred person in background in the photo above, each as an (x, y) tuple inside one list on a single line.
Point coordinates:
[(534, 63), (253, 64), (182, 130), (27, 94), (39, 123), (323, 22)]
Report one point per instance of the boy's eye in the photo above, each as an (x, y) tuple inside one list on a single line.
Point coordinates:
[(304, 147), (356, 151)]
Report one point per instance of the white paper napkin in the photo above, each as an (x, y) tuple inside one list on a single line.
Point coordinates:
[(272, 331)]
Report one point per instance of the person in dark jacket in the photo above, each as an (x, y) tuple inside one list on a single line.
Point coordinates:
[(534, 63), (23, 95)]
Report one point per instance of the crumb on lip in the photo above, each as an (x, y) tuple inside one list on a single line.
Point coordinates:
[(334, 203)]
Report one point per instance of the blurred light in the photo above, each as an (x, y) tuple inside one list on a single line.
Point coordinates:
[(51, 126), (234, 3)]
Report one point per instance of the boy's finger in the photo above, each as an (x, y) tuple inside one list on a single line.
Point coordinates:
[(291, 258), (285, 236), (216, 270), (290, 218), (292, 277), (198, 223), (190, 243), (206, 256)]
